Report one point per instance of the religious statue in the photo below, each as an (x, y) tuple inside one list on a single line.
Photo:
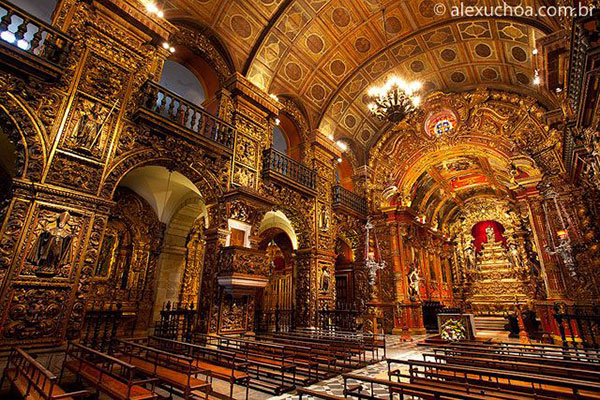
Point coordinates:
[(52, 248), (324, 219), (89, 126), (490, 235), (414, 282), (470, 257), (514, 256), (324, 280)]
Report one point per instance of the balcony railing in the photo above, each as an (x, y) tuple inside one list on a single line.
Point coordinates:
[(185, 115), (345, 198), (276, 164), (23, 36)]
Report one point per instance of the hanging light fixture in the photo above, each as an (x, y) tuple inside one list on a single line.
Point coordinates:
[(559, 242), (371, 263), (396, 98)]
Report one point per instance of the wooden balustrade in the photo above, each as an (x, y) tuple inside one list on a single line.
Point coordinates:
[(276, 164), (187, 116), (343, 197), (23, 34), (274, 320), (578, 325), (177, 321)]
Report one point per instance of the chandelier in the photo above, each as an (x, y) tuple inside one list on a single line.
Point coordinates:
[(396, 99)]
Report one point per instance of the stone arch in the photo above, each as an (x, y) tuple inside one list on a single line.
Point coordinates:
[(208, 184), (204, 43), (277, 219), (27, 135)]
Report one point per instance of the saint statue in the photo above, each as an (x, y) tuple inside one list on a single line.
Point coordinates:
[(489, 233), (88, 128), (470, 257), (324, 281), (515, 257), (52, 248), (414, 283)]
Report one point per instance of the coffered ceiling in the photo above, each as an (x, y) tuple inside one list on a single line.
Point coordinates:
[(328, 52)]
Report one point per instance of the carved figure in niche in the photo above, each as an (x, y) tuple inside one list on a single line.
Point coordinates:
[(414, 282), (514, 256), (89, 125), (471, 260), (490, 235), (324, 219), (325, 280), (52, 248)]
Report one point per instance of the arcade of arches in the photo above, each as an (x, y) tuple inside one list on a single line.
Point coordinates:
[(222, 158)]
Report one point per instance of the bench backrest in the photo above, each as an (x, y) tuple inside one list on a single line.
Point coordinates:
[(138, 348), (424, 369), (38, 378), (103, 362), (213, 355)]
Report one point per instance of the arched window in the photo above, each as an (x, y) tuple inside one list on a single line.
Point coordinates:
[(179, 79), (286, 138), (343, 174), (279, 140), (41, 9)]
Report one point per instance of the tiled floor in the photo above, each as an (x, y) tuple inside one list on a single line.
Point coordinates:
[(395, 349)]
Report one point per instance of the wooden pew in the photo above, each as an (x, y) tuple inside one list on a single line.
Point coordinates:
[(537, 349), (362, 342), (549, 353), (478, 353), (222, 364), (109, 375), (516, 365), (326, 363), (421, 390), (335, 357), (318, 394), (498, 379), (32, 380), (269, 365), (172, 370), (351, 354)]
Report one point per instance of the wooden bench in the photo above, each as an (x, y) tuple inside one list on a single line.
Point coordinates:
[(267, 363), (498, 379), (318, 394), (32, 380), (222, 364), (539, 366), (536, 349), (351, 354), (107, 374), (174, 371), (420, 390), (530, 358)]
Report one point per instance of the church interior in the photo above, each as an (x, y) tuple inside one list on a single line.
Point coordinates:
[(288, 199)]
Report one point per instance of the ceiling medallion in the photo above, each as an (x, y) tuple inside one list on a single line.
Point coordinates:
[(441, 123), (395, 100)]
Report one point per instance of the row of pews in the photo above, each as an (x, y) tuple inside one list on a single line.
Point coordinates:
[(135, 368), (478, 371)]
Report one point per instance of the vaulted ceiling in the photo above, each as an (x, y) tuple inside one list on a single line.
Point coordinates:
[(328, 52)]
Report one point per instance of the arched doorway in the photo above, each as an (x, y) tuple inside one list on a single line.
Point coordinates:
[(275, 304), (344, 276), (168, 248)]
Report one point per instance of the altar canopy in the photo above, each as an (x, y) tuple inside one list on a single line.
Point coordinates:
[(480, 235)]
